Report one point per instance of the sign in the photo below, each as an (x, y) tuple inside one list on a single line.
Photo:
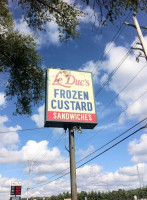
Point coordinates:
[(16, 183), (16, 188), (12, 190), (69, 99)]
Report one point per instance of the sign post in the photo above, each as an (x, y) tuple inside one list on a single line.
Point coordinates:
[(73, 178), (70, 104)]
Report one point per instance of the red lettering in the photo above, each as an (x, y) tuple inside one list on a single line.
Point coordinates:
[(87, 82), (68, 80), (82, 82), (57, 80)]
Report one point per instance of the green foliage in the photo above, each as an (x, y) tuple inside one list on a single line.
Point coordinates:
[(6, 20), (111, 195), (111, 10), (20, 60), (39, 12), (18, 55)]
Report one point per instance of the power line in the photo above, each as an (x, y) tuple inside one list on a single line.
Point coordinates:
[(114, 71), (95, 156), (116, 116), (116, 68), (123, 89), (104, 145), (112, 140), (56, 143), (101, 147), (113, 145), (21, 130), (114, 39)]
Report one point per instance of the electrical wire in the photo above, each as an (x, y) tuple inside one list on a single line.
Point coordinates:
[(112, 140), (114, 39), (21, 130), (44, 155), (117, 67), (111, 120), (115, 70), (122, 89), (125, 87), (100, 147), (143, 127), (114, 119)]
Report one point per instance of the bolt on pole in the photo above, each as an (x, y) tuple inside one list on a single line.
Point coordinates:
[(73, 179)]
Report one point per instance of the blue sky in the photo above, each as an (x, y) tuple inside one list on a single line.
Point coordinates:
[(45, 147)]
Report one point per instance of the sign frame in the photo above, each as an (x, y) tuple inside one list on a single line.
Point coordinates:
[(62, 123)]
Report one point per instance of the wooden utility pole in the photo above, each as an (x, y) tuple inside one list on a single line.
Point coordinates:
[(144, 47), (137, 27), (73, 179)]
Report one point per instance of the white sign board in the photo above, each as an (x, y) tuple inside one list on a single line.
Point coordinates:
[(69, 99), (16, 183)]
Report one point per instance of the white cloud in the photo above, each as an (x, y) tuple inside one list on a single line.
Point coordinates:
[(91, 66), (2, 99), (39, 118), (50, 36), (125, 73), (138, 149), (53, 168), (53, 188), (128, 69), (9, 136), (83, 153), (40, 179), (22, 26), (57, 131), (89, 171), (5, 186), (42, 38), (45, 160), (90, 16), (91, 177), (69, 1)]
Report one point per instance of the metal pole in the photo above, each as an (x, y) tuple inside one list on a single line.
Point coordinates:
[(138, 176), (140, 36), (30, 173), (72, 165)]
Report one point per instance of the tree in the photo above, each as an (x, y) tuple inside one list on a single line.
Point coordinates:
[(19, 59), (111, 10), (39, 12)]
